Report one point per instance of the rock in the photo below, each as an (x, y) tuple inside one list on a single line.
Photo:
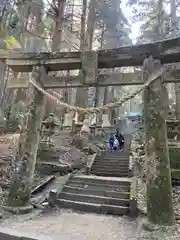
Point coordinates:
[(53, 194), (141, 153), (150, 227), (63, 149), (79, 141), (101, 146), (140, 147), (91, 149)]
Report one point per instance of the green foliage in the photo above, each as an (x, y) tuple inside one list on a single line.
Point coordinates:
[(155, 19), (111, 18), (17, 112)]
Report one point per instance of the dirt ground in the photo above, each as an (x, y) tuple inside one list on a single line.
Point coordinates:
[(68, 225)]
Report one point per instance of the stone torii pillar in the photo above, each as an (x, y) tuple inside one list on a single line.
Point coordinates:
[(158, 175), (88, 75), (68, 121), (25, 161), (105, 121), (85, 130)]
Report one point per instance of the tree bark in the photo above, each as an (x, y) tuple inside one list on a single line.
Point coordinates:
[(59, 19), (56, 45), (85, 45), (20, 189), (81, 92), (159, 189)]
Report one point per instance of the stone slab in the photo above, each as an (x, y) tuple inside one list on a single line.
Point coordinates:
[(9, 234), (104, 178)]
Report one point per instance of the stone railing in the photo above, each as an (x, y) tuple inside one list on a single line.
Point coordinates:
[(133, 209), (90, 162), (54, 193), (130, 165)]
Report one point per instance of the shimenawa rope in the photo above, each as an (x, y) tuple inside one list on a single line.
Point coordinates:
[(106, 107)]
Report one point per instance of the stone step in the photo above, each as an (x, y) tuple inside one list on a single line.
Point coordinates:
[(94, 199), (92, 207), (108, 174), (97, 192), (101, 180), (80, 184), (113, 157), (112, 162), (105, 169), (116, 153), (110, 168)]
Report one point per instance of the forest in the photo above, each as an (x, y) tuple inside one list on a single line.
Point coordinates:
[(70, 79)]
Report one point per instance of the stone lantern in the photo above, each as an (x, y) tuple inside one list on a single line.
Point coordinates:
[(78, 124), (93, 123), (2, 122), (68, 121), (171, 114), (49, 128), (105, 121), (106, 125), (85, 130)]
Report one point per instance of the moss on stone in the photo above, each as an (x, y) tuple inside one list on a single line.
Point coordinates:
[(159, 188), (174, 156), (20, 189), (47, 155), (175, 173)]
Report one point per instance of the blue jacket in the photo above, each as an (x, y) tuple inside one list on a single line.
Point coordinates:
[(111, 139)]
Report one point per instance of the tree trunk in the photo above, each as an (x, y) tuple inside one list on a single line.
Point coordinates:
[(90, 24), (59, 19), (159, 189), (81, 92), (86, 44), (56, 46), (20, 189)]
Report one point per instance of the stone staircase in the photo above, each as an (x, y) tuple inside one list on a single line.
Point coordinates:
[(107, 195), (115, 164), (108, 190)]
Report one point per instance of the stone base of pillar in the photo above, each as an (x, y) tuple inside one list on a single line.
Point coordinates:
[(85, 134), (45, 145), (98, 131), (68, 128), (78, 127), (93, 131), (18, 210)]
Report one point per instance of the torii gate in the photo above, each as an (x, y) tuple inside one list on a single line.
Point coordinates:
[(153, 76)]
